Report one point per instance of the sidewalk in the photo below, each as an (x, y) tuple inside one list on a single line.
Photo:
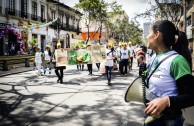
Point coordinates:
[(18, 68)]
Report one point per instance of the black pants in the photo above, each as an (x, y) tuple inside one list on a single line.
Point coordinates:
[(124, 63), (89, 68), (131, 62), (98, 65), (60, 76), (80, 67)]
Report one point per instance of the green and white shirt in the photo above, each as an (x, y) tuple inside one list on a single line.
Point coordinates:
[(163, 80)]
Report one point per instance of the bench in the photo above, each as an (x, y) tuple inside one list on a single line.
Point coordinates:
[(10, 60)]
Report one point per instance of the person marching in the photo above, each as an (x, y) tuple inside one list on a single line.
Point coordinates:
[(118, 54), (109, 61), (125, 57), (57, 67), (38, 61), (47, 59)]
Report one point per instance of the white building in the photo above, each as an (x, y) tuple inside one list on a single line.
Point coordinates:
[(146, 27)]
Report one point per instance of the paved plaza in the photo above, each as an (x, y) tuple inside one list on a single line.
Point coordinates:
[(82, 100)]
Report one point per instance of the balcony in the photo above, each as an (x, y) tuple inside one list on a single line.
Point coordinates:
[(24, 15)]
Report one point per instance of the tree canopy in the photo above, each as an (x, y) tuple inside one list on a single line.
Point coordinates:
[(164, 9)]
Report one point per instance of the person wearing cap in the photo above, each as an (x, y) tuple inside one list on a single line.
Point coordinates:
[(47, 59), (109, 61), (57, 67), (125, 57)]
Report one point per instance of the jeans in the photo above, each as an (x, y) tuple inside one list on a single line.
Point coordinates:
[(108, 72), (163, 122)]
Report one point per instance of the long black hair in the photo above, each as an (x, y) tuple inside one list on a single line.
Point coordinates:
[(181, 46), (168, 30)]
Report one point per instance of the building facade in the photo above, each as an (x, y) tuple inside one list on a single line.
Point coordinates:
[(189, 25), (24, 21)]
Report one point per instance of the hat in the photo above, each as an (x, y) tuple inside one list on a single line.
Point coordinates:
[(120, 43), (129, 43), (89, 43), (110, 43), (47, 46), (125, 43), (58, 44)]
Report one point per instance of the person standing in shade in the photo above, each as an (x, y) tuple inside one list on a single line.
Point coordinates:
[(109, 61), (47, 59), (125, 57), (57, 67), (38, 60)]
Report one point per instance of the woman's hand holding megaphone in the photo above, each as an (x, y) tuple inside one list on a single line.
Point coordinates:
[(156, 106), (140, 55)]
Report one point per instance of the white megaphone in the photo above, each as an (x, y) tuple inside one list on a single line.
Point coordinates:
[(135, 93)]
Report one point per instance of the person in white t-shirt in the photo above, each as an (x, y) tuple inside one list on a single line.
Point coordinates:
[(47, 59), (109, 61), (38, 60), (125, 57)]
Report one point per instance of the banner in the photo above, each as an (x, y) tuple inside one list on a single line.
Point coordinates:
[(61, 57), (93, 54), (98, 53)]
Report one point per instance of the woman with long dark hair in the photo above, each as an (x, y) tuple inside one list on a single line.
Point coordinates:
[(168, 77)]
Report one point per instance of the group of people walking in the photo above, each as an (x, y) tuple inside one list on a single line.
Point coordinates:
[(168, 72)]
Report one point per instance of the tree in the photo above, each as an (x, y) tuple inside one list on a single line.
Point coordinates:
[(164, 9), (96, 10), (123, 30)]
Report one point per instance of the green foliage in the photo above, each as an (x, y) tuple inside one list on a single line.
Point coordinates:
[(33, 42), (161, 9), (97, 10), (122, 30)]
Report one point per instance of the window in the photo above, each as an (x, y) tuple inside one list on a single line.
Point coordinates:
[(61, 18), (189, 21), (24, 8), (53, 15), (34, 10), (11, 8), (42, 13)]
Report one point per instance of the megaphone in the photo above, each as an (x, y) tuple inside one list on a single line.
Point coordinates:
[(135, 91)]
